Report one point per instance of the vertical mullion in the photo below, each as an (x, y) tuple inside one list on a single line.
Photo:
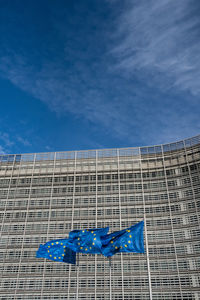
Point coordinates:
[(96, 161), (193, 193), (172, 225), (6, 202), (120, 220), (25, 223), (145, 230), (49, 221), (72, 227), (5, 210)]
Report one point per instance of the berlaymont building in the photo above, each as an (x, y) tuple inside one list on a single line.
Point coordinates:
[(44, 196)]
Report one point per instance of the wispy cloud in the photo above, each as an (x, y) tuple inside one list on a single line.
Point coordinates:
[(9, 142), (86, 95), (23, 141), (159, 41), (5, 138), (131, 82), (125, 112), (5, 143), (2, 150)]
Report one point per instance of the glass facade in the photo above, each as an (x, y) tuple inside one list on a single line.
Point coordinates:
[(43, 196)]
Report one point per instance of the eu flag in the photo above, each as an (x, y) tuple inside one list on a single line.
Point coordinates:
[(87, 241), (127, 240), (94, 241), (57, 250)]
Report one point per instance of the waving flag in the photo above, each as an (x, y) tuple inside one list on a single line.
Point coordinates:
[(87, 241), (64, 250), (127, 240), (57, 250)]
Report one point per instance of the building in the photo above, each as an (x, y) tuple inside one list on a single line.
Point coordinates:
[(44, 196)]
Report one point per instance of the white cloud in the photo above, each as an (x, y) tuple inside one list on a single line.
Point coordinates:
[(159, 40), (2, 150), (155, 42), (124, 111), (62, 90), (8, 142), (23, 141), (5, 138)]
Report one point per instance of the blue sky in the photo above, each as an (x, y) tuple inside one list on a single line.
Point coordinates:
[(98, 73)]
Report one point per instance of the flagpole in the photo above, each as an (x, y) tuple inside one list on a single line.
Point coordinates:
[(110, 267), (77, 275)]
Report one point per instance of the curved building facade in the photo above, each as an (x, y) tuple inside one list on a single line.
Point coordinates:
[(43, 196)]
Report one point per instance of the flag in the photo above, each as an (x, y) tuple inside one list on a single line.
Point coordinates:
[(87, 241), (94, 241), (64, 250), (127, 240), (57, 250)]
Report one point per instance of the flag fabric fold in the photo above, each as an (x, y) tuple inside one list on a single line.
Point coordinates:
[(87, 241), (127, 240)]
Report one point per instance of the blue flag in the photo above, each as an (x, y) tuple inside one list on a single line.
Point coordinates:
[(64, 250), (57, 250), (94, 241), (127, 240), (87, 241)]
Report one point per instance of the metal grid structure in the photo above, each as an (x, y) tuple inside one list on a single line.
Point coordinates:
[(44, 196)]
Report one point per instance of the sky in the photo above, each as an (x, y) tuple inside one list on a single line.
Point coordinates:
[(78, 75)]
